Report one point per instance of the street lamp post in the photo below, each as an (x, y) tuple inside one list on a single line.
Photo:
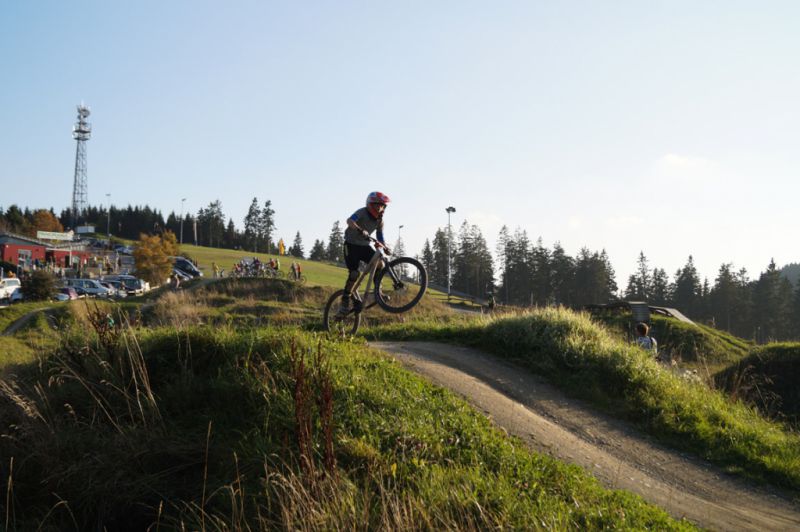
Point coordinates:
[(449, 238), (108, 220), (182, 201)]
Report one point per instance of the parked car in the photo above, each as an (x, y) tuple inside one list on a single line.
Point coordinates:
[(16, 296), (10, 289), (133, 285), (116, 287), (186, 266), (123, 250), (88, 287), (69, 292), (182, 275)]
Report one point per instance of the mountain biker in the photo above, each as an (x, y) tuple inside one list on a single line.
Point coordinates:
[(360, 226)]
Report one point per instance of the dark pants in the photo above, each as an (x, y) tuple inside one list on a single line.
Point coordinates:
[(353, 254)]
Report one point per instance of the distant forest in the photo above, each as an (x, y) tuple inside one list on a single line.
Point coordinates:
[(521, 271)]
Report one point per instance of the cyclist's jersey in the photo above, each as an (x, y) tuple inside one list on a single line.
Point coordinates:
[(366, 222)]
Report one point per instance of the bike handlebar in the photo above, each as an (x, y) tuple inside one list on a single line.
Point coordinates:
[(369, 237)]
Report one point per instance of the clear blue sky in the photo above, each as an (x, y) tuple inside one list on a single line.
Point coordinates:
[(664, 127)]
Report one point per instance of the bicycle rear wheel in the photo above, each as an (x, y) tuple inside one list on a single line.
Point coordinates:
[(340, 325), (402, 282)]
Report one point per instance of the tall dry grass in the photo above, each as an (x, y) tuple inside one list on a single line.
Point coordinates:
[(180, 309)]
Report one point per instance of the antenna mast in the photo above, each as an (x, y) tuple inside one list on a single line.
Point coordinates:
[(81, 132)]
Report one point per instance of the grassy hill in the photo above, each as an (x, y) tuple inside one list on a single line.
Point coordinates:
[(598, 365), (259, 422), (694, 345), (224, 406), (767, 379)]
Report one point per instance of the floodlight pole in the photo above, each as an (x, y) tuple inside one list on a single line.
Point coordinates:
[(108, 220), (182, 201), (449, 237)]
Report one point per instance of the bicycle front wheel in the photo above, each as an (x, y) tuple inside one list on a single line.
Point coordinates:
[(340, 325), (402, 283)]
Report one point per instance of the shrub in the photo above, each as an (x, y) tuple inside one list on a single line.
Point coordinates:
[(39, 286)]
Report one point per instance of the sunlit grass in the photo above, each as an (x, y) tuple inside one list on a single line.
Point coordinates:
[(196, 429), (591, 362)]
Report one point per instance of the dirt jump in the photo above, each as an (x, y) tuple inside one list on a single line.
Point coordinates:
[(614, 452)]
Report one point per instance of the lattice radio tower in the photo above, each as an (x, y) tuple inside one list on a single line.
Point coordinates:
[(81, 133)]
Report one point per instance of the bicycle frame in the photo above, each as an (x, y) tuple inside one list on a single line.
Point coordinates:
[(369, 271)]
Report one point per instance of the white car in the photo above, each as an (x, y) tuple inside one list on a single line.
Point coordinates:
[(10, 289)]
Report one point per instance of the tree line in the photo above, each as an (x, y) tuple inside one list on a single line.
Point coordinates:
[(764, 309), (521, 272), (524, 273), (527, 273)]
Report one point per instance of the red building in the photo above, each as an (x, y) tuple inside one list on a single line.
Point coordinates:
[(24, 251)]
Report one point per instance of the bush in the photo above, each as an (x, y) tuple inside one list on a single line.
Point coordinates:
[(39, 286)]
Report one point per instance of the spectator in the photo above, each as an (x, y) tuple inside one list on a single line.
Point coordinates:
[(216, 269), (645, 341)]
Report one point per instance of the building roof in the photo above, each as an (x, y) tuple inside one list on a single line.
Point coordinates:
[(19, 240)]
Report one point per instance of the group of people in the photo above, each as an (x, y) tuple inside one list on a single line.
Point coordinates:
[(252, 268)]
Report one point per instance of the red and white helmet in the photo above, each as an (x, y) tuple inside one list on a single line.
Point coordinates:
[(373, 200)]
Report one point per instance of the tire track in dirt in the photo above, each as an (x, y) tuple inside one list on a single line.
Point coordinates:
[(22, 320), (613, 451)]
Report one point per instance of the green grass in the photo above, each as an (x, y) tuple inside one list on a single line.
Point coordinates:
[(767, 379), (317, 273), (695, 345), (589, 361), (221, 354), (207, 436), (12, 313)]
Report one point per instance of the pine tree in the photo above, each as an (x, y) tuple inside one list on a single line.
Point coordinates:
[(659, 287), (687, 290), (472, 263), (335, 252), (501, 250), (252, 226), (592, 279), (519, 269), (230, 239), (211, 222), (610, 275), (562, 273), (438, 274), (772, 305), (640, 283), (796, 312), (723, 297), (427, 258), (318, 251), (541, 293), (267, 225), (296, 249)]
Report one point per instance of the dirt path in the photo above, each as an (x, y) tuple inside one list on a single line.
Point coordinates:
[(621, 458), (19, 323)]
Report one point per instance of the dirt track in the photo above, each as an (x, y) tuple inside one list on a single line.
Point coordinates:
[(18, 324), (620, 457)]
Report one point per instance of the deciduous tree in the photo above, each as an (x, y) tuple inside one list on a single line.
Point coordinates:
[(153, 255)]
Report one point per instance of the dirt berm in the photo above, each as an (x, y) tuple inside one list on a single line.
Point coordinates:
[(613, 451)]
